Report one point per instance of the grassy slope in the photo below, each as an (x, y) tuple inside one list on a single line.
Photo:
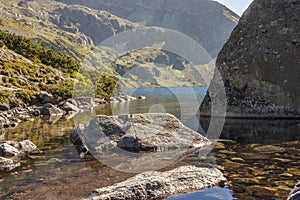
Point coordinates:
[(26, 21)]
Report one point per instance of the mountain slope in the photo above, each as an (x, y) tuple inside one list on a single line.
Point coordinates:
[(76, 30), (206, 21)]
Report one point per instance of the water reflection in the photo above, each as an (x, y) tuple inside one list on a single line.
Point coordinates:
[(259, 157), (258, 131), (208, 194)]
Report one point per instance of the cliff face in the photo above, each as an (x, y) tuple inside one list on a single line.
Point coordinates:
[(98, 25), (206, 21), (260, 62)]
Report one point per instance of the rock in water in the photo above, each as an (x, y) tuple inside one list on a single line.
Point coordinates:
[(7, 150), (295, 193), (7, 164), (138, 133), (138, 142), (49, 109), (260, 62), (154, 184), (4, 106)]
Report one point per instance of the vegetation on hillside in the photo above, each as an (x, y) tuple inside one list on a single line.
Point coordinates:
[(37, 53), (49, 71)]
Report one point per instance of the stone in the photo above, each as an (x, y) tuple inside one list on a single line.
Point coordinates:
[(51, 110), (113, 100), (295, 193), (138, 142), (269, 149), (100, 101), (7, 150), (260, 61), (7, 164), (46, 97), (3, 120), (236, 159), (35, 113), (27, 146), (138, 133), (25, 118), (261, 191), (158, 185), (71, 101), (4, 106), (141, 97), (69, 107)]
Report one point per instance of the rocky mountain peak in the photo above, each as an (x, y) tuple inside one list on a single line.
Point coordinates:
[(206, 21)]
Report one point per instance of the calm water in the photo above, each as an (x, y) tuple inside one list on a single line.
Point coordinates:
[(259, 158)]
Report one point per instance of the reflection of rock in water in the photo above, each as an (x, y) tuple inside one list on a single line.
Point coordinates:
[(258, 131)]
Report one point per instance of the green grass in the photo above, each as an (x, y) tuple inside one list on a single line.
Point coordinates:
[(36, 53)]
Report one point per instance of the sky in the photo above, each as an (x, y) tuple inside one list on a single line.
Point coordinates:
[(237, 6)]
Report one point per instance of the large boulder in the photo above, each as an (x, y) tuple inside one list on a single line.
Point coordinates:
[(12, 151), (51, 110), (138, 133), (69, 107), (138, 142), (260, 62), (158, 185), (13, 148)]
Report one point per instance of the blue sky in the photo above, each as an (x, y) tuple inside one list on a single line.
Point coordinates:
[(237, 6)]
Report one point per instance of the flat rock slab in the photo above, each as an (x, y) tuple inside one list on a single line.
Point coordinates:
[(156, 185), (138, 133), (138, 142)]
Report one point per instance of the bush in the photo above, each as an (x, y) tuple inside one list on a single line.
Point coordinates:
[(37, 53)]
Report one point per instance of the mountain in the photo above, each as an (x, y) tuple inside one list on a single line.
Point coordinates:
[(260, 62), (76, 30), (206, 21)]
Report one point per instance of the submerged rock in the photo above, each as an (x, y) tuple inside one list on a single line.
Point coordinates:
[(138, 142), (7, 150), (295, 193), (7, 164), (49, 109), (259, 64), (138, 133), (70, 107), (12, 151), (155, 185)]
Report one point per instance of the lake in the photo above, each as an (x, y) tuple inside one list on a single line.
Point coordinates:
[(260, 158)]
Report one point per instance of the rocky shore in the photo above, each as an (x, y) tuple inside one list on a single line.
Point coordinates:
[(144, 144), (11, 152), (10, 118)]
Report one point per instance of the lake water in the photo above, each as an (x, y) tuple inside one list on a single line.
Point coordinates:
[(260, 159)]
